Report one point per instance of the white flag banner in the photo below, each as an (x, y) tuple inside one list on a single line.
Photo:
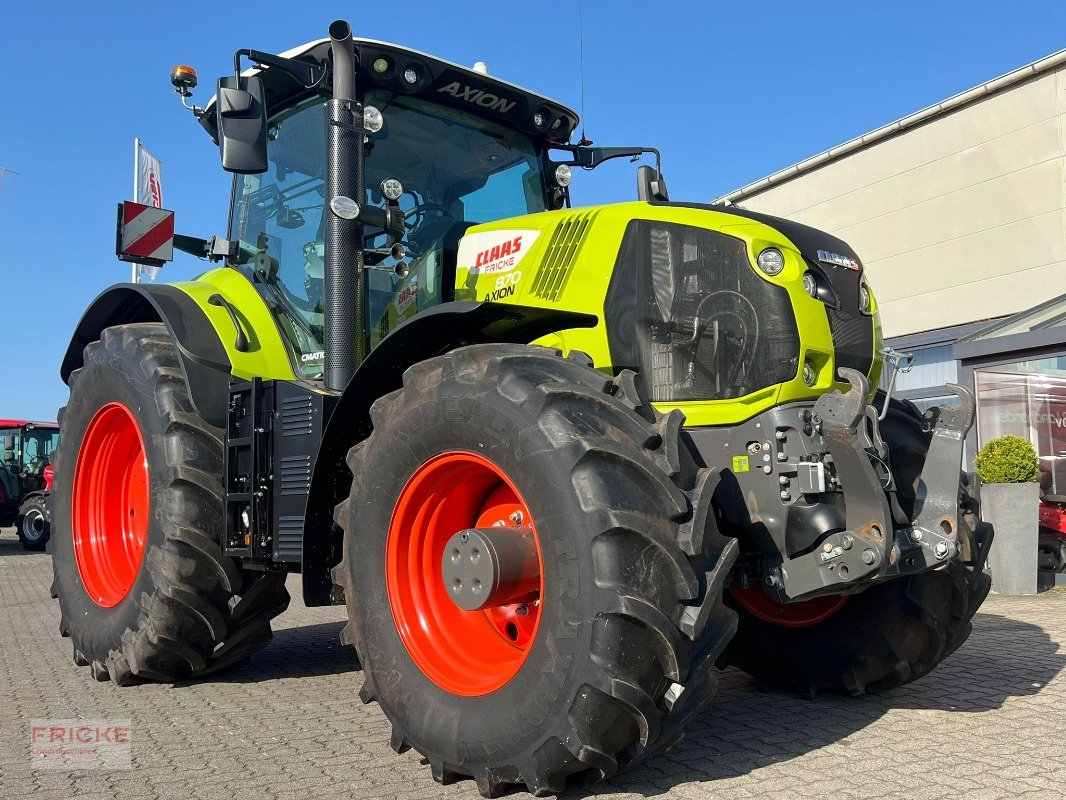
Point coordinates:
[(149, 185)]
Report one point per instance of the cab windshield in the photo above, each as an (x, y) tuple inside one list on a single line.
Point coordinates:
[(37, 447), (457, 170)]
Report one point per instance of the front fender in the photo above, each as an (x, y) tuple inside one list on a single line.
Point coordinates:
[(431, 333)]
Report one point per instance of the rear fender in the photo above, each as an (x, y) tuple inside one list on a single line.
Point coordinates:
[(203, 333), (202, 355)]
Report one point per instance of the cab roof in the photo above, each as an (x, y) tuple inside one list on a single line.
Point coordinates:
[(18, 423), (437, 79)]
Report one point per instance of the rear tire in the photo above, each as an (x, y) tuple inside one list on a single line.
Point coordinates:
[(187, 609), (33, 523), (630, 615), (892, 633)]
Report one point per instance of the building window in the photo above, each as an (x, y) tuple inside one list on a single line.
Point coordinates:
[(1027, 399)]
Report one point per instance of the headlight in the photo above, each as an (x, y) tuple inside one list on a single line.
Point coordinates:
[(381, 65), (563, 175), (410, 75), (391, 188), (771, 261), (372, 119), (865, 299), (344, 207), (810, 284)]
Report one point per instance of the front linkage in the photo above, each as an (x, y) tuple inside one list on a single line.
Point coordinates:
[(825, 467), (880, 541)]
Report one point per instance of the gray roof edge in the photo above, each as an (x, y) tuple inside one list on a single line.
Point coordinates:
[(953, 103), (303, 49)]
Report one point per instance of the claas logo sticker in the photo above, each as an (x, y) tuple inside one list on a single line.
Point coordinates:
[(494, 252), (490, 260)]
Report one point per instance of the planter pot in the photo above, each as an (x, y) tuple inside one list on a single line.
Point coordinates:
[(1013, 510)]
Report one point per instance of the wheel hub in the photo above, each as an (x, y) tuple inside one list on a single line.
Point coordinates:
[(486, 567), (33, 525)]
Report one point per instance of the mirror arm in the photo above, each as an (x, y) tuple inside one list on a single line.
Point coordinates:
[(592, 157), (193, 245), (389, 219), (214, 249), (307, 74)]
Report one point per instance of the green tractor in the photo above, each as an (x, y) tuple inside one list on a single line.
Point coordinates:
[(560, 463)]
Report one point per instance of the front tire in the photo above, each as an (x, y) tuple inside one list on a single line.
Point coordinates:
[(33, 524), (143, 587), (629, 617)]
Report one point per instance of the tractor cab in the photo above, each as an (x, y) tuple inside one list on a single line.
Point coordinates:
[(452, 147)]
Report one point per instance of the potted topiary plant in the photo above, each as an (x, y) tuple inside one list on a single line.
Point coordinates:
[(1010, 500)]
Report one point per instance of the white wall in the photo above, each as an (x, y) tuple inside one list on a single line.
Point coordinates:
[(957, 220)]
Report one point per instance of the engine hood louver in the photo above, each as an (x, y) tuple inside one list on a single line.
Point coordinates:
[(560, 255)]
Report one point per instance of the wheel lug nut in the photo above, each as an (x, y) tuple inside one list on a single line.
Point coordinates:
[(517, 518), (522, 610)]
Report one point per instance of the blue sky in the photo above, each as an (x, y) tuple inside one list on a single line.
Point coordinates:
[(729, 92)]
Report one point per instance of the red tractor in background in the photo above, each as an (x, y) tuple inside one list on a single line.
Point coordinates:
[(26, 478), (1052, 533)]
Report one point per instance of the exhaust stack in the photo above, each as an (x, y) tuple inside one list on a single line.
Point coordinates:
[(344, 290)]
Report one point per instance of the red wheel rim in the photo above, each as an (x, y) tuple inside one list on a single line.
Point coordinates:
[(110, 505), (787, 615), (467, 653)]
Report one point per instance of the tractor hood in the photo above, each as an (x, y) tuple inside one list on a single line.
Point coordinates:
[(815, 245)]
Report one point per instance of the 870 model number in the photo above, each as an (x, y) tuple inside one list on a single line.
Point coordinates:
[(505, 286)]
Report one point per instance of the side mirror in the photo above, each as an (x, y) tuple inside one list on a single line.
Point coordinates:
[(241, 123), (651, 185)]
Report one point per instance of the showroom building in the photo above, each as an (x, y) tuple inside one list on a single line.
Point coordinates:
[(958, 213)]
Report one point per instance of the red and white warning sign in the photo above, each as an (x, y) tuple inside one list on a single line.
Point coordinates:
[(145, 234)]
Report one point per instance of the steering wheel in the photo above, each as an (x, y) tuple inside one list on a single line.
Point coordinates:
[(425, 231)]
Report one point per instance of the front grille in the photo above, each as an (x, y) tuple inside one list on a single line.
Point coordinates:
[(853, 339), (853, 331), (686, 309)]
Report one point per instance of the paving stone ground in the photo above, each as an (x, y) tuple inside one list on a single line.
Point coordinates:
[(989, 723)]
